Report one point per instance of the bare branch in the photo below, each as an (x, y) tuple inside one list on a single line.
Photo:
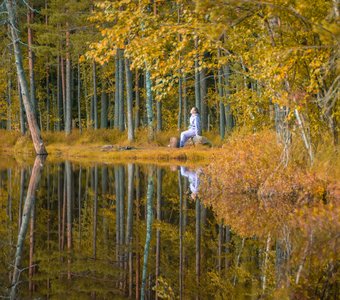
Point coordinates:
[(30, 7)]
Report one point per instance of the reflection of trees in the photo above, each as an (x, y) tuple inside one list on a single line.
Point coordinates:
[(27, 210), (291, 236), (89, 218), (149, 217)]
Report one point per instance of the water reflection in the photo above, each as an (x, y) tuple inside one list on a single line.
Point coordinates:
[(126, 231), (193, 178)]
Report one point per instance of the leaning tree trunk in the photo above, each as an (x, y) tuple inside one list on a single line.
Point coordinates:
[(31, 118), (22, 111), (29, 203)]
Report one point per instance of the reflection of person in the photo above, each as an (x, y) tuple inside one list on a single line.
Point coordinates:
[(194, 181), (194, 127)]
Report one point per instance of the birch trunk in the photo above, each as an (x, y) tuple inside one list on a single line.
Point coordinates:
[(29, 203), (149, 217), (129, 93), (31, 118)]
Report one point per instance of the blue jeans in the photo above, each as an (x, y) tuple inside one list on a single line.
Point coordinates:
[(185, 135)]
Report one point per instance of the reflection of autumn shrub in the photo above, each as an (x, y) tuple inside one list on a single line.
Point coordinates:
[(296, 206), (315, 260)]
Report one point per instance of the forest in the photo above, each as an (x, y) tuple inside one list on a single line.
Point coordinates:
[(143, 64), (113, 212)]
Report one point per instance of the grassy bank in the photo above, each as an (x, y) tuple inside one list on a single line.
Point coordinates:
[(88, 147)]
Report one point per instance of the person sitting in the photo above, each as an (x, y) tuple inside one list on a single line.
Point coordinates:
[(194, 127)]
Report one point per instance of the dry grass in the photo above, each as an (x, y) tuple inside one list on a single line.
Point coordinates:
[(87, 147)]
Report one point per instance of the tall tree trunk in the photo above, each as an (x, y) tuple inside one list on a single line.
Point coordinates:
[(149, 217), (31, 58), (203, 94), (86, 98), (229, 120), (32, 120), (9, 103), (137, 103), (180, 101), (185, 102), (29, 204), (78, 97), (149, 100), (197, 79), (159, 116), (121, 90), (129, 93), (95, 101), (104, 110), (59, 94), (116, 108), (68, 105), (220, 94), (63, 88), (227, 247), (48, 102)]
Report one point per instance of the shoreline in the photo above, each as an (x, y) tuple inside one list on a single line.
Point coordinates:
[(93, 153), (88, 146)]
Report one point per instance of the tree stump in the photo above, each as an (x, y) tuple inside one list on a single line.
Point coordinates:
[(174, 142)]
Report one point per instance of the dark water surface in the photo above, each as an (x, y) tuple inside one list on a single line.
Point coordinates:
[(97, 231)]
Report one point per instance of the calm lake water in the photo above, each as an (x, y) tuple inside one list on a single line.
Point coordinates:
[(97, 231)]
